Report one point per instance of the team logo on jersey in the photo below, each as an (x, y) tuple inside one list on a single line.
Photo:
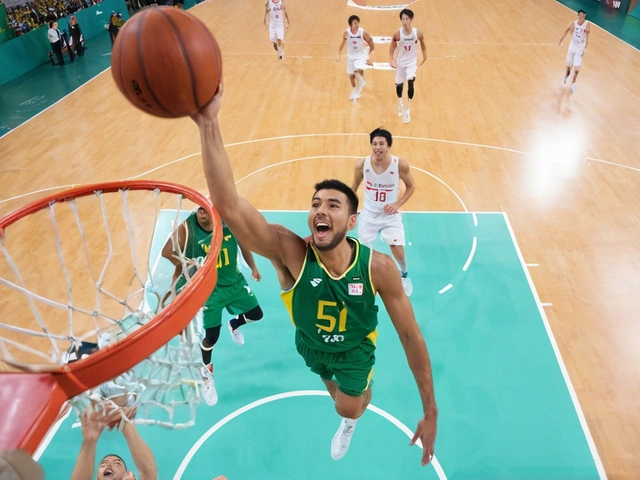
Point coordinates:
[(315, 282), (356, 289), (355, 279)]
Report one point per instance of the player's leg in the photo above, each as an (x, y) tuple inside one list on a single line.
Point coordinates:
[(400, 79), (569, 64), (212, 322), (393, 235), (411, 78), (244, 305), (353, 371), (577, 62), (273, 37), (280, 38)]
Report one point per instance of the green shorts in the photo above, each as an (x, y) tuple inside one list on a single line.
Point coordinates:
[(352, 369), (237, 298)]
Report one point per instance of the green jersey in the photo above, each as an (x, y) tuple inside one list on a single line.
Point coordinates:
[(198, 244), (334, 314)]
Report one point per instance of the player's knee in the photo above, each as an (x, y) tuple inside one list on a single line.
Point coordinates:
[(211, 336), (399, 90), (254, 314)]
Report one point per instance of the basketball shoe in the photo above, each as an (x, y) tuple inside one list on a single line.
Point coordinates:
[(573, 87), (208, 387), (342, 438), (236, 335), (400, 107), (406, 118)]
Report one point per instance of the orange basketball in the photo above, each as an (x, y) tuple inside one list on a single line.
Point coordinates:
[(166, 62)]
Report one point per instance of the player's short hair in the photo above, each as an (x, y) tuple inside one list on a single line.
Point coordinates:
[(407, 12), (352, 18), (581, 11), (117, 456), (381, 132), (333, 184)]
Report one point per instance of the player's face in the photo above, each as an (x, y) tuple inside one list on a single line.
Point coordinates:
[(380, 147), (581, 17), (329, 219), (406, 21), (355, 25), (204, 219), (111, 468)]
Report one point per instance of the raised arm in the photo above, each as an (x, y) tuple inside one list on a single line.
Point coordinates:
[(407, 178), (386, 279), (174, 245), (140, 452), (569, 29), (358, 175), (92, 427), (245, 221), (392, 49), (423, 46)]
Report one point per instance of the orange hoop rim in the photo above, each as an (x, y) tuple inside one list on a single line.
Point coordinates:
[(89, 372)]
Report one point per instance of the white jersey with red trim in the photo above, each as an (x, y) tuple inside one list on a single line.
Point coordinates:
[(408, 48), (276, 12), (380, 189)]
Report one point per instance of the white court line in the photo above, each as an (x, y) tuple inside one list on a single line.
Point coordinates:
[(547, 304), (471, 254), (532, 265), (54, 104), (612, 163), (448, 287), (556, 350), (298, 393), (351, 3)]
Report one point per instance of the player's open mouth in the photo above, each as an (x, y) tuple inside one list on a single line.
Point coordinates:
[(322, 229), (108, 473)]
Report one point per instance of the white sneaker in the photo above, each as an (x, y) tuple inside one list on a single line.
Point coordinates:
[(236, 335), (408, 286), (406, 118), (342, 438), (573, 87), (400, 107), (354, 92), (208, 387)]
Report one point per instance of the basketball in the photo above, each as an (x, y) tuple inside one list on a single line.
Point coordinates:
[(166, 62)]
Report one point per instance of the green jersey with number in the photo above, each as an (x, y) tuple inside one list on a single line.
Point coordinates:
[(199, 242), (334, 314)]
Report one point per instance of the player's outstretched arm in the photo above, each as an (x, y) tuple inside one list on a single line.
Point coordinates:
[(140, 452), (386, 279), (245, 221)]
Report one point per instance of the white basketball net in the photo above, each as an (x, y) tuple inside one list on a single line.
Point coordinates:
[(89, 271)]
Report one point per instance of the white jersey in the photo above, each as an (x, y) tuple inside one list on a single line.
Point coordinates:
[(579, 37), (408, 48), (355, 44), (382, 189), (276, 12)]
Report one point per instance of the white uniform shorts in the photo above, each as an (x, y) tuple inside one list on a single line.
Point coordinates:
[(356, 63), (276, 32), (405, 73), (389, 226), (574, 57)]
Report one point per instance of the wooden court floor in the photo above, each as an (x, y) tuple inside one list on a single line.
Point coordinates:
[(493, 128)]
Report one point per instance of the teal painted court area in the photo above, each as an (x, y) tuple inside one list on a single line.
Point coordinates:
[(505, 409)]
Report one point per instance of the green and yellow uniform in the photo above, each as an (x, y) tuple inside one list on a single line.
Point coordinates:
[(336, 319), (232, 291)]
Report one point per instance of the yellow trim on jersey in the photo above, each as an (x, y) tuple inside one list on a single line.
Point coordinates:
[(373, 287), (373, 336), (355, 260), (287, 295)]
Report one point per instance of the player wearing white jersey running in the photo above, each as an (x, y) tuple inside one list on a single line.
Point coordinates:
[(403, 56), (277, 13), (382, 173), (580, 30), (357, 58)]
